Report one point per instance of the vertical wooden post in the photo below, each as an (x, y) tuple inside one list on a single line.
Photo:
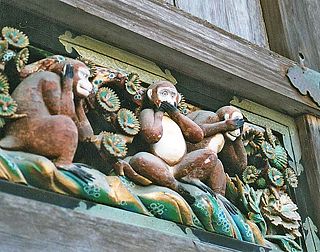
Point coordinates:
[(293, 26), (309, 133)]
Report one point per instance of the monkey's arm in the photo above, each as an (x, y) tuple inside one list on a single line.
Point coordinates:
[(85, 130), (210, 123), (51, 93), (192, 132), (151, 125), (234, 156), (210, 129), (66, 99)]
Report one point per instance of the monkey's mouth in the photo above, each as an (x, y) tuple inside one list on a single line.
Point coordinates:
[(233, 135)]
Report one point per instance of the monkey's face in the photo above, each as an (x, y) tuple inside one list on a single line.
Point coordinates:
[(164, 91), (82, 86), (168, 94), (234, 134)]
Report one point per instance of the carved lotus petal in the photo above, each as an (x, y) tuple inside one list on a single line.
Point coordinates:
[(15, 37)]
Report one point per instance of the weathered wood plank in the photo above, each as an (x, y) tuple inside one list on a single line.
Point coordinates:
[(164, 34), (309, 133), (29, 225), (293, 26), (239, 17)]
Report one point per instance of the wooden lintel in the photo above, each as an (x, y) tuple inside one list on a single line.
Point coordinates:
[(162, 33)]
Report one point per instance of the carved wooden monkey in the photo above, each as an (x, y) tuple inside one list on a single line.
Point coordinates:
[(166, 133), (52, 96), (222, 131)]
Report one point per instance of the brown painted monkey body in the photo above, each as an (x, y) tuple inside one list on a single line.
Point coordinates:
[(167, 133), (222, 131), (55, 115)]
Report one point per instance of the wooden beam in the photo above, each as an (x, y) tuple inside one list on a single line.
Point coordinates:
[(293, 26), (309, 133), (186, 44), (29, 225)]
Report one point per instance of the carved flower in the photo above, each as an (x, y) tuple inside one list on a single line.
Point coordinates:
[(275, 177), (128, 122), (268, 150), (108, 99), (279, 209), (114, 144), (133, 83), (7, 105), (261, 183), (272, 139), (291, 177), (22, 58), (252, 140), (250, 174), (15, 37), (280, 160)]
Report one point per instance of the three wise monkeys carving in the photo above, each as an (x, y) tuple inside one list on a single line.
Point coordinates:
[(196, 148)]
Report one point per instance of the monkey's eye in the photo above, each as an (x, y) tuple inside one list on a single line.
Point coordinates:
[(164, 93), (112, 75)]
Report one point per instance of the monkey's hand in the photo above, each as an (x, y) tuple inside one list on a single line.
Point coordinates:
[(123, 168), (167, 107), (67, 77), (233, 124), (76, 170)]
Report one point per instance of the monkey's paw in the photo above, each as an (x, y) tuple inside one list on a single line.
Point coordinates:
[(76, 170), (185, 194), (168, 107), (233, 124)]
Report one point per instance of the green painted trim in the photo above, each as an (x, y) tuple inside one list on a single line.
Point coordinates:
[(109, 56)]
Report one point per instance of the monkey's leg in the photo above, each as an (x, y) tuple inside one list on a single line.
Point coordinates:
[(196, 163), (217, 180), (57, 138), (54, 137), (156, 170)]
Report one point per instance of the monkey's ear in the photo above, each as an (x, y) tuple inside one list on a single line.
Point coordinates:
[(179, 97), (149, 94)]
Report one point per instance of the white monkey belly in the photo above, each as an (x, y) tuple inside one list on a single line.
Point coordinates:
[(172, 145), (216, 143)]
